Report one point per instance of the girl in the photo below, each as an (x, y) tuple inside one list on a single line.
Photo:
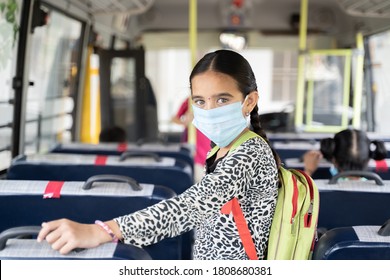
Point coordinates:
[(224, 95), (348, 150)]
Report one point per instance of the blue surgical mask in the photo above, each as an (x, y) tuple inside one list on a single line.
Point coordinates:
[(221, 125)]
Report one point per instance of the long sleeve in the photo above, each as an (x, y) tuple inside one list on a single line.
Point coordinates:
[(201, 203)]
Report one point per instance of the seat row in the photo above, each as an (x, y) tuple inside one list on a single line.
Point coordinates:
[(84, 182), (41, 187)]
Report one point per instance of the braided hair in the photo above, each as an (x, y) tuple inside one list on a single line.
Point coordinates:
[(237, 67)]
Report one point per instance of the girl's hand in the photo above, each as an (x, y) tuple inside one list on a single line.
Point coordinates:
[(65, 235)]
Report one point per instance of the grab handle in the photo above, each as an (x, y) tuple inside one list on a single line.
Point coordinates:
[(384, 230), (357, 173), (112, 178), (17, 232), (132, 154)]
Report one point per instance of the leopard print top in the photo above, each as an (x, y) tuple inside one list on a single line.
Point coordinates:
[(248, 173)]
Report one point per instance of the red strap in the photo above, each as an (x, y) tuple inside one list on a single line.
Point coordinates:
[(53, 189), (122, 147), (101, 160), (233, 206), (381, 165), (294, 198)]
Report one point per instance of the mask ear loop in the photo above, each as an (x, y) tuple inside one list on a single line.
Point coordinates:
[(333, 170)]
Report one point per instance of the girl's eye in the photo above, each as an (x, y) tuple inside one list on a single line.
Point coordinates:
[(199, 102), (222, 100)]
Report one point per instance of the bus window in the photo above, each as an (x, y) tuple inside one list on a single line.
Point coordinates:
[(8, 53), (51, 98), (380, 60)]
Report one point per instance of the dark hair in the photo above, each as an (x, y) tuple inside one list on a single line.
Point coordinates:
[(112, 134), (237, 67), (351, 149)]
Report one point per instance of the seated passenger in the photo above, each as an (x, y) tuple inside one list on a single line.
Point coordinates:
[(349, 149)]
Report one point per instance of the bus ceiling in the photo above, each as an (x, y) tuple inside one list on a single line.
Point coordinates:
[(269, 17)]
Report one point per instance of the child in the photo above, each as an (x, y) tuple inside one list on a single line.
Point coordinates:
[(224, 95)]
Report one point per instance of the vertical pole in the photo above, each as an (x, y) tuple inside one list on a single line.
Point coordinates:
[(193, 25), (358, 87), (193, 49), (301, 66), (91, 115), (20, 81), (346, 83), (310, 102)]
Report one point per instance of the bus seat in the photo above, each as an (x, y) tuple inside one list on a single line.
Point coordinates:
[(297, 136), (353, 243), (12, 247), (33, 202), (322, 171), (179, 151), (381, 167), (169, 172), (294, 149), (353, 203)]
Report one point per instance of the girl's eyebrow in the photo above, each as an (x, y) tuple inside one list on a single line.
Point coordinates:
[(196, 97), (224, 94), (218, 95)]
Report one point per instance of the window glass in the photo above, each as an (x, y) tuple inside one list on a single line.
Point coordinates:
[(8, 43), (325, 78), (123, 93), (284, 76), (50, 101), (380, 61)]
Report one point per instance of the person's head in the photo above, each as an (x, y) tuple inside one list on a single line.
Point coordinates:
[(225, 78), (112, 134), (351, 149)]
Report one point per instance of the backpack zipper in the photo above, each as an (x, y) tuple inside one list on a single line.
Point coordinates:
[(308, 216), (309, 213), (294, 203)]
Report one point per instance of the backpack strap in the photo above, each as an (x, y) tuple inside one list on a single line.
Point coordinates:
[(233, 206), (244, 137)]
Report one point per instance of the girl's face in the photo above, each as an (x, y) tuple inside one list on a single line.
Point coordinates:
[(212, 90)]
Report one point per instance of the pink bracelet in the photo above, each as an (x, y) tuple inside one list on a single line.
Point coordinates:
[(107, 229)]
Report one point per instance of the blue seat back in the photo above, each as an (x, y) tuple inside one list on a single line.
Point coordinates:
[(353, 202), (177, 176), (178, 151), (22, 204), (382, 168), (293, 149), (12, 247), (353, 243)]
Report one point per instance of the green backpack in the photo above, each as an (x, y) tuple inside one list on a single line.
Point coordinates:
[(294, 226)]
